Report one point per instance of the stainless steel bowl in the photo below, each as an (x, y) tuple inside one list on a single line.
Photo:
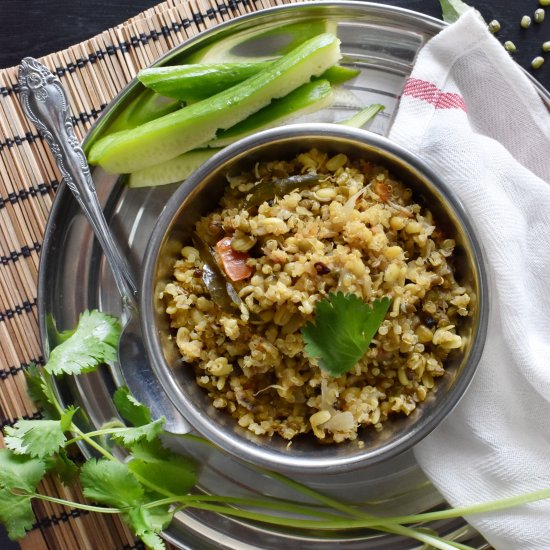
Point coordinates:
[(200, 194)]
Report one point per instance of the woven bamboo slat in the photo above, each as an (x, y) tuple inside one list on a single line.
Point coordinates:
[(92, 72)]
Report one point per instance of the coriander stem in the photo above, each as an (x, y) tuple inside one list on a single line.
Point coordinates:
[(77, 505), (92, 443), (273, 505), (324, 524), (48, 379), (96, 433), (154, 487), (325, 499), (473, 509)]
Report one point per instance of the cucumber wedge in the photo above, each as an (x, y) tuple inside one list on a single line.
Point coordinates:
[(339, 74), (146, 107), (358, 120), (196, 124), (192, 83), (308, 98), (305, 99), (171, 171)]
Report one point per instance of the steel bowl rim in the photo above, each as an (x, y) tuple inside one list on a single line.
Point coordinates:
[(231, 442)]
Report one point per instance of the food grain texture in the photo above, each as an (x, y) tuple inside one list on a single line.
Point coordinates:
[(357, 230)]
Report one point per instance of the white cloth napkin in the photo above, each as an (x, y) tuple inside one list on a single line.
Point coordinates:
[(476, 119)]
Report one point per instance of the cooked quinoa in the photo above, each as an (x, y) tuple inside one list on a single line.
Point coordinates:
[(357, 230)]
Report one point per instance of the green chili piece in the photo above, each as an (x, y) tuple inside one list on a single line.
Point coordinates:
[(267, 190)]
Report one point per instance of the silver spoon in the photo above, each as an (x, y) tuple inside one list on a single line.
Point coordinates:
[(45, 104)]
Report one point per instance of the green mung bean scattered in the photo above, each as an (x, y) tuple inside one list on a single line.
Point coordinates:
[(494, 26), (546, 46), (539, 15), (509, 46), (525, 22), (544, 2), (537, 62)]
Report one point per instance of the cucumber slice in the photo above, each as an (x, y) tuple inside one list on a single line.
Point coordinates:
[(306, 99), (195, 82), (358, 120), (261, 44), (196, 124), (340, 74), (144, 108), (171, 171), (192, 83)]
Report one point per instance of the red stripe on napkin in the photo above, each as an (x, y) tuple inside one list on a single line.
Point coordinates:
[(426, 91)]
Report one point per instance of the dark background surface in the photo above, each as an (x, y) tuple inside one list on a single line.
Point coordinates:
[(39, 27)]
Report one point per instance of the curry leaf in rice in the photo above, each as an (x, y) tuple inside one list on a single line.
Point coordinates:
[(343, 330)]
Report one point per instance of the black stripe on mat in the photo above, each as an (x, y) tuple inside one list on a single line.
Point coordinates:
[(197, 18), (12, 421), (63, 517), (19, 140), (18, 310), (25, 252), (22, 194), (13, 371), (138, 545), (30, 138)]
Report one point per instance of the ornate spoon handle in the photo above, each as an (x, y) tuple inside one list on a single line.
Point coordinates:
[(45, 104)]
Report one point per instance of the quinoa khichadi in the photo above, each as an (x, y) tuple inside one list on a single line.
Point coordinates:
[(338, 225)]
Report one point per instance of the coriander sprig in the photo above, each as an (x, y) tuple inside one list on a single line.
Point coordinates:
[(151, 483)]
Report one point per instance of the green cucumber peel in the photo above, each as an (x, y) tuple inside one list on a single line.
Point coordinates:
[(144, 108), (191, 83), (196, 124), (199, 81)]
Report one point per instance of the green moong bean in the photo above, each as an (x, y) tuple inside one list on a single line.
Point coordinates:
[(494, 26), (537, 62)]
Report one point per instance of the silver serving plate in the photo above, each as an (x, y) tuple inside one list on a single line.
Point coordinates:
[(383, 42)]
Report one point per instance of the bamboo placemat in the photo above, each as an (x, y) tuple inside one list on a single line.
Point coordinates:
[(92, 72)]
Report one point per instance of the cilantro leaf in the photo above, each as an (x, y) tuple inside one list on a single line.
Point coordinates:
[(37, 438), (128, 436), (110, 483), (343, 329), (152, 541), (147, 523), (63, 467), (130, 408), (23, 473), (113, 484), (66, 419), (93, 342), (175, 474), (40, 392), (16, 514), (20, 472), (451, 10)]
